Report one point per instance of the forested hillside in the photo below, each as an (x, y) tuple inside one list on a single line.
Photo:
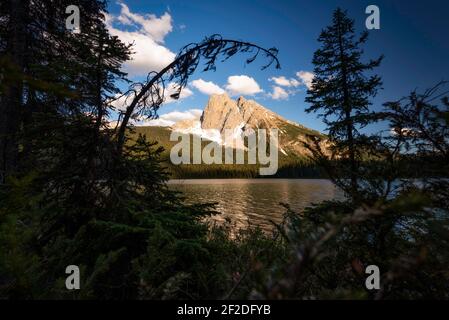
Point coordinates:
[(290, 166)]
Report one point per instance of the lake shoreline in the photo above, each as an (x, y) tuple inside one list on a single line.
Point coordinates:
[(254, 178)]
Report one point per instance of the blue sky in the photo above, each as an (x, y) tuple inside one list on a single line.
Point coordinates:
[(413, 37)]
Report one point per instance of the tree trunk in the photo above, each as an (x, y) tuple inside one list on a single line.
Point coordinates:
[(348, 120), (11, 102)]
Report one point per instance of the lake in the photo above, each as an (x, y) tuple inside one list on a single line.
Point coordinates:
[(256, 201)]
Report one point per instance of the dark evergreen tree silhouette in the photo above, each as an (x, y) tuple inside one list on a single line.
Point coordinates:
[(13, 51), (341, 89), (47, 69)]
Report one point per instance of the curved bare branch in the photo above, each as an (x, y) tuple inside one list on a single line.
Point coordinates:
[(148, 96)]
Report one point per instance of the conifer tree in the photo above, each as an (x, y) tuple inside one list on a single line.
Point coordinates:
[(341, 89)]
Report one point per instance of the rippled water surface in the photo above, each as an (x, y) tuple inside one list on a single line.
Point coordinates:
[(256, 201)]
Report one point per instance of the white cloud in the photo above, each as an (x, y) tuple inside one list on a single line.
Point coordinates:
[(279, 93), (169, 119), (283, 81), (123, 101), (207, 87), (172, 88), (306, 78), (242, 85), (149, 53), (150, 24), (124, 20)]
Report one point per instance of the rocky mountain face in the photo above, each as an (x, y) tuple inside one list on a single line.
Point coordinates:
[(223, 113)]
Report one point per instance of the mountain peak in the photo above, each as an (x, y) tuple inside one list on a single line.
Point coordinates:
[(222, 113), (219, 97), (241, 100)]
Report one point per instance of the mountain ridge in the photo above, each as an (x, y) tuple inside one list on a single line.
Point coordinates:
[(223, 113)]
